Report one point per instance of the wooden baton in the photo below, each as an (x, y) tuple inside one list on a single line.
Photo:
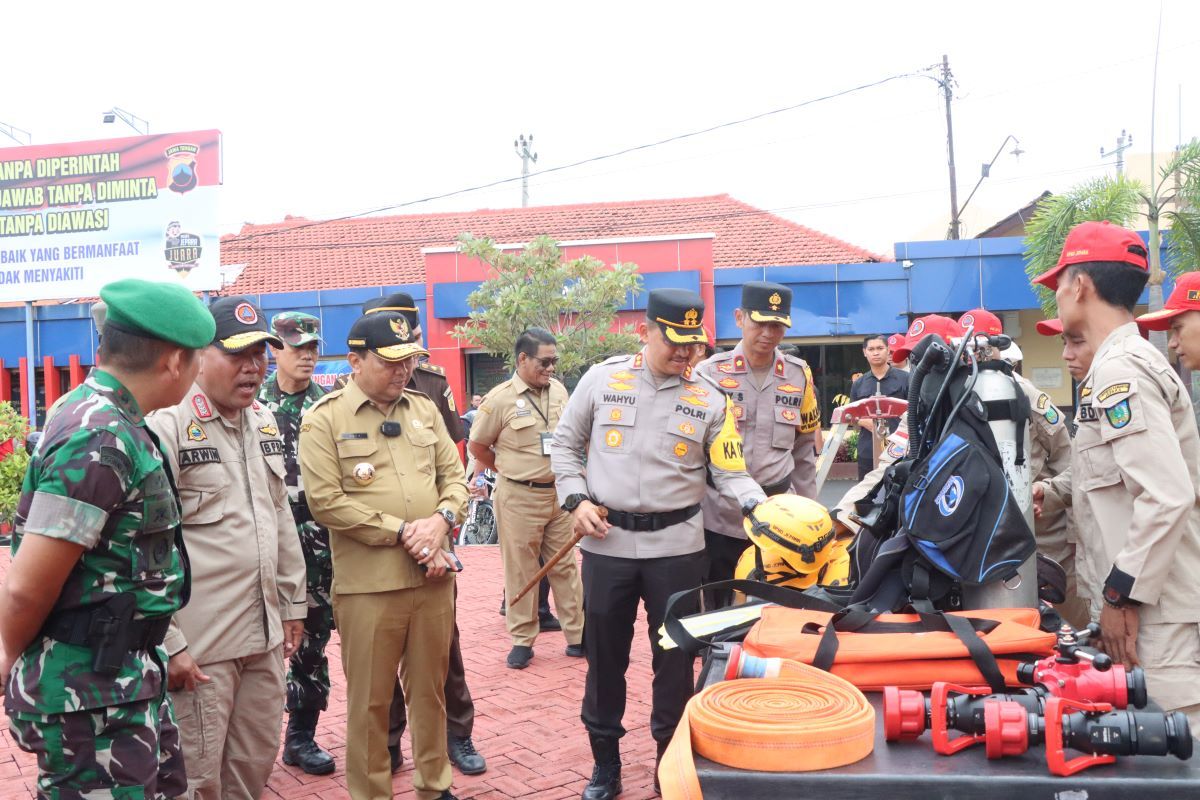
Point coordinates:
[(557, 557)]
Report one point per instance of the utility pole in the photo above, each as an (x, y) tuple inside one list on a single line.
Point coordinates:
[(522, 145), (948, 91), (1124, 142)]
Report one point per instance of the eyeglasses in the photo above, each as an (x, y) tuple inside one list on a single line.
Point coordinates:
[(546, 363)]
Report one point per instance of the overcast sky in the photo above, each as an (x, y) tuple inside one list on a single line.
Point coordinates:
[(329, 109)]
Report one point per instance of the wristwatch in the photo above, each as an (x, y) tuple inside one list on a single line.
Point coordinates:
[(1115, 599), (573, 500), (448, 515)]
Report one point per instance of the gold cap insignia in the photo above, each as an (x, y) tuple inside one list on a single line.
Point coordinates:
[(691, 317), (400, 327)]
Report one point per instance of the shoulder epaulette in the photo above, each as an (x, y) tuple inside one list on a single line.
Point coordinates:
[(434, 368), (325, 399), (616, 360)]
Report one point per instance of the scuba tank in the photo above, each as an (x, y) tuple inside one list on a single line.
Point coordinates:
[(996, 388)]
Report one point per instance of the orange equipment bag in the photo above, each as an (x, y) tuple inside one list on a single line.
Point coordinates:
[(912, 651)]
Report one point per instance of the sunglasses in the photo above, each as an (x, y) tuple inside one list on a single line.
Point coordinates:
[(545, 363)]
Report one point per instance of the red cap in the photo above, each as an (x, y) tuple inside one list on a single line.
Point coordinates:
[(1096, 241), (983, 321), (1050, 327), (894, 341), (924, 326), (1184, 297)]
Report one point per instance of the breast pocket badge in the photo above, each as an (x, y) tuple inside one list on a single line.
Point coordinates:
[(364, 473)]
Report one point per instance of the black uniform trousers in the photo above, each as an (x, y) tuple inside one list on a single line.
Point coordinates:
[(723, 554), (612, 588), (460, 708)]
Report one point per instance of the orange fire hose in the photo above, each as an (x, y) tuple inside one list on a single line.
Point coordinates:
[(807, 720)]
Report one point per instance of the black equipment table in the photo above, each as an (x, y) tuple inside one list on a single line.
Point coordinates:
[(913, 771)]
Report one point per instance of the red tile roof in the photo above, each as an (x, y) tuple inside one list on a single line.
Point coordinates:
[(301, 255)]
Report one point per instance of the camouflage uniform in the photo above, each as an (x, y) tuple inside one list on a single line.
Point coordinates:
[(308, 672), (97, 479)]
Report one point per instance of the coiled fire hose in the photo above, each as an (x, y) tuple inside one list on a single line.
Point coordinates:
[(803, 721)]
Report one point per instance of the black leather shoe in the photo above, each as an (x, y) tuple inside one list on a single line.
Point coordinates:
[(549, 622), (605, 783), (397, 758), (464, 755), (662, 749), (445, 795), (575, 650), (519, 657)]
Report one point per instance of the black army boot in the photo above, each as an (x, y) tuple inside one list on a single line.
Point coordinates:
[(606, 775), (299, 749)]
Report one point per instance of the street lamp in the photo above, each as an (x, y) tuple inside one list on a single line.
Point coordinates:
[(987, 168), (130, 119), (11, 132)]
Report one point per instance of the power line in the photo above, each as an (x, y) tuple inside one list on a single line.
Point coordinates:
[(593, 159)]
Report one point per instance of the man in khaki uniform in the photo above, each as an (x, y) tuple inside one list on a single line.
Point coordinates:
[(776, 408), (228, 646), (1135, 467), (512, 434), (430, 380), (382, 474), (652, 432), (1181, 316)]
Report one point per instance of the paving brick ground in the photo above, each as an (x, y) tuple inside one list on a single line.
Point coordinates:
[(526, 723)]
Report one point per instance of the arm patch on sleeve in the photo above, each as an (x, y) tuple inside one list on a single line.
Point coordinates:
[(118, 461), (725, 452)]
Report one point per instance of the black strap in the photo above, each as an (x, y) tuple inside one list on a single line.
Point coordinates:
[(185, 591), (779, 595), (780, 487), (647, 522), (861, 620), (74, 626)]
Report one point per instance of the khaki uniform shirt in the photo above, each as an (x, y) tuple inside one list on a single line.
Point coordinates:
[(647, 448), (518, 422), (363, 486), (1135, 469), (778, 422), (247, 566)]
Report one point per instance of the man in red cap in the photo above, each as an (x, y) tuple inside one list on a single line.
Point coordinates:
[(1049, 455), (1180, 317), (1135, 467), (894, 341)]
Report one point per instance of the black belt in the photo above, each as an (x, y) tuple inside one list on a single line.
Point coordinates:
[(635, 521), (778, 488), (75, 627), (532, 484)]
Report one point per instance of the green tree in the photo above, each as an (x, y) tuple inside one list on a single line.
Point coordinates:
[(1174, 198), (12, 468), (576, 300)]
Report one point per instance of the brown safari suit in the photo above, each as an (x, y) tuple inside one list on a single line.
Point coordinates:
[(363, 486)]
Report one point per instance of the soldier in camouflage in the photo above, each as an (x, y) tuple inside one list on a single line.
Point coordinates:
[(289, 392), (99, 565)]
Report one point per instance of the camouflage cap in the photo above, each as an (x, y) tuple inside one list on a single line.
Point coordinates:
[(296, 328), (164, 311)]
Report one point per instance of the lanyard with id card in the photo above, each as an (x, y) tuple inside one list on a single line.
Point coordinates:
[(546, 439)]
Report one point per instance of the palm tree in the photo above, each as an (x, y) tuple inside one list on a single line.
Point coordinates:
[(1175, 198)]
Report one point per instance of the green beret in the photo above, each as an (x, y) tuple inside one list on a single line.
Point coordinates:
[(164, 311)]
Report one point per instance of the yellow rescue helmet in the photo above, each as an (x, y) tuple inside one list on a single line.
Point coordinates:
[(793, 529)]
